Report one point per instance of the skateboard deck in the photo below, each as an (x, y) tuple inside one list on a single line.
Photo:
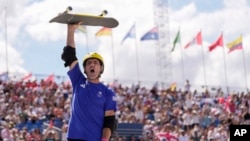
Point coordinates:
[(85, 19)]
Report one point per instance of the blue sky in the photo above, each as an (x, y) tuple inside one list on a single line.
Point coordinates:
[(202, 5), (35, 45)]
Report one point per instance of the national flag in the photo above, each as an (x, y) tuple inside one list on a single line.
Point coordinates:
[(104, 32), (130, 34), (173, 87), (236, 44), (219, 42), (176, 40), (151, 35), (27, 77), (199, 38), (166, 136), (67, 83), (196, 40), (50, 78), (82, 28)]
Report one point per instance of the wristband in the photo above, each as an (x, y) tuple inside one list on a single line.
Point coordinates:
[(103, 139)]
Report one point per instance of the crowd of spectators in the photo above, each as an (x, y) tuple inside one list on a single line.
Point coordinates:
[(182, 114), (39, 111)]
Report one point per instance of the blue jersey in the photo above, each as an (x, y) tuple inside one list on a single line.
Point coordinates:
[(89, 103)]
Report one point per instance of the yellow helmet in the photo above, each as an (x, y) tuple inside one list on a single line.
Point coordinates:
[(93, 55)]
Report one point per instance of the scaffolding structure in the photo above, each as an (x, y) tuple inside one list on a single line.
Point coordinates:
[(161, 20)]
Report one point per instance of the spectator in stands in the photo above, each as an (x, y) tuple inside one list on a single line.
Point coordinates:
[(6, 132), (195, 134), (64, 130), (50, 134), (246, 115), (139, 114), (14, 134), (24, 134), (187, 87), (35, 135), (183, 136), (93, 104), (187, 119)]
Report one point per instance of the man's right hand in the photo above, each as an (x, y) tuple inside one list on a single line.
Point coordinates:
[(71, 42), (73, 27)]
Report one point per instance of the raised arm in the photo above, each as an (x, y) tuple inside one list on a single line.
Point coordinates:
[(69, 51), (70, 35)]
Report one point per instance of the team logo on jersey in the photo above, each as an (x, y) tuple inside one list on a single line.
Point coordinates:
[(82, 85), (99, 94)]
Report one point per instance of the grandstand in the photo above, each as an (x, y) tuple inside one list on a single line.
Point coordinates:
[(26, 108)]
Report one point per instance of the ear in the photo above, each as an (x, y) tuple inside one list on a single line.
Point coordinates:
[(102, 69), (84, 70)]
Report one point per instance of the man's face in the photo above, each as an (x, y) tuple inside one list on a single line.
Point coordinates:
[(93, 68)]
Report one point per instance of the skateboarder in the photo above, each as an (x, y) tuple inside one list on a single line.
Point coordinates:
[(93, 104)]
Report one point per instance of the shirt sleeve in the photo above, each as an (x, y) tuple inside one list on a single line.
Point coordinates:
[(75, 74), (110, 103)]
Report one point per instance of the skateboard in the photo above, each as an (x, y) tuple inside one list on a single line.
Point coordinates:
[(85, 19)]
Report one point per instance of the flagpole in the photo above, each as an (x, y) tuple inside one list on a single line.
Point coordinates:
[(87, 42), (245, 72), (204, 66), (183, 74), (225, 68), (137, 59), (83, 29), (203, 59), (6, 40), (158, 60), (113, 58), (177, 39), (158, 50), (182, 64)]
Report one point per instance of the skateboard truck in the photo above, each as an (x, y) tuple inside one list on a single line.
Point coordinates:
[(104, 13), (69, 8)]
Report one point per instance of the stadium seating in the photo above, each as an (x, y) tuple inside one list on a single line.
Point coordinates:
[(129, 129)]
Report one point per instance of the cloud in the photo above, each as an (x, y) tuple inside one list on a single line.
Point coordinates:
[(14, 63), (29, 27)]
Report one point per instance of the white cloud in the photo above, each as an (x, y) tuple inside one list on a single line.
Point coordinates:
[(29, 20), (14, 62)]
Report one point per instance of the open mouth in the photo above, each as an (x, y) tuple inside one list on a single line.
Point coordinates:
[(92, 70)]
